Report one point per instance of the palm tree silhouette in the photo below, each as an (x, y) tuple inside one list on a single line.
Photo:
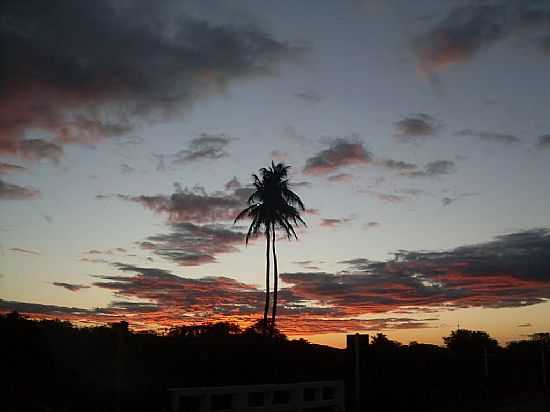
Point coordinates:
[(272, 205)]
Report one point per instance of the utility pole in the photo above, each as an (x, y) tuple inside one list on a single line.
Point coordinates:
[(485, 363), (357, 374), (543, 363), (354, 343)]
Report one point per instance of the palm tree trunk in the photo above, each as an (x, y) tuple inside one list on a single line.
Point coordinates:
[(266, 308), (275, 283)]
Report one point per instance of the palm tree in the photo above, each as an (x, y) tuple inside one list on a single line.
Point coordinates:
[(272, 205)]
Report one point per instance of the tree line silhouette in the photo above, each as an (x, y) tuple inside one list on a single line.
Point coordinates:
[(52, 365)]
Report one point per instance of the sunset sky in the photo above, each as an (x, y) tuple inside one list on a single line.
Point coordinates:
[(418, 134)]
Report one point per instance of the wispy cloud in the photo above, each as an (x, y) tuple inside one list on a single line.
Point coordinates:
[(301, 184), (370, 225), (433, 169), (340, 177), (448, 200), (126, 169), (106, 252), (9, 191), (396, 165), (72, 287), (308, 96), (489, 136), (207, 146), (25, 251), (333, 223), (36, 149), (6, 168), (385, 197)]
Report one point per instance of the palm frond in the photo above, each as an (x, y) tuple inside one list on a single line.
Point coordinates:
[(251, 229), (244, 213), (293, 198), (273, 202)]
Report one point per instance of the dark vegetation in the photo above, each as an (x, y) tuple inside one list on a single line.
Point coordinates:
[(50, 365), (471, 373)]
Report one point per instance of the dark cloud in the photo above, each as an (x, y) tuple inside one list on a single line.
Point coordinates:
[(161, 164), (9, 191), (489, 136), (192, 205), (357, 293), (70, 286), (233, 184), (461, 35), (342, 152), (303, 184), (447, 200), (209, 296), (398, 165), (469, 29), (109, 252), (193, 245), (129, 142), (314, 212), (6, 168), (126, 169), (143, 315), (114, 312), (87, 71), (207, 146), (371, 225), (420, 125), (37, 309), (303, 262), (278, 155), (358, 264), (292, 134), (320, 324), (522, 256), (433, 169), (411, 191), (309, 97), (340, 177), (37, 149), (95, 260), (544, 141), (512, 270), (93, 252), (385, 197), (25, 251), (332, 223)]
